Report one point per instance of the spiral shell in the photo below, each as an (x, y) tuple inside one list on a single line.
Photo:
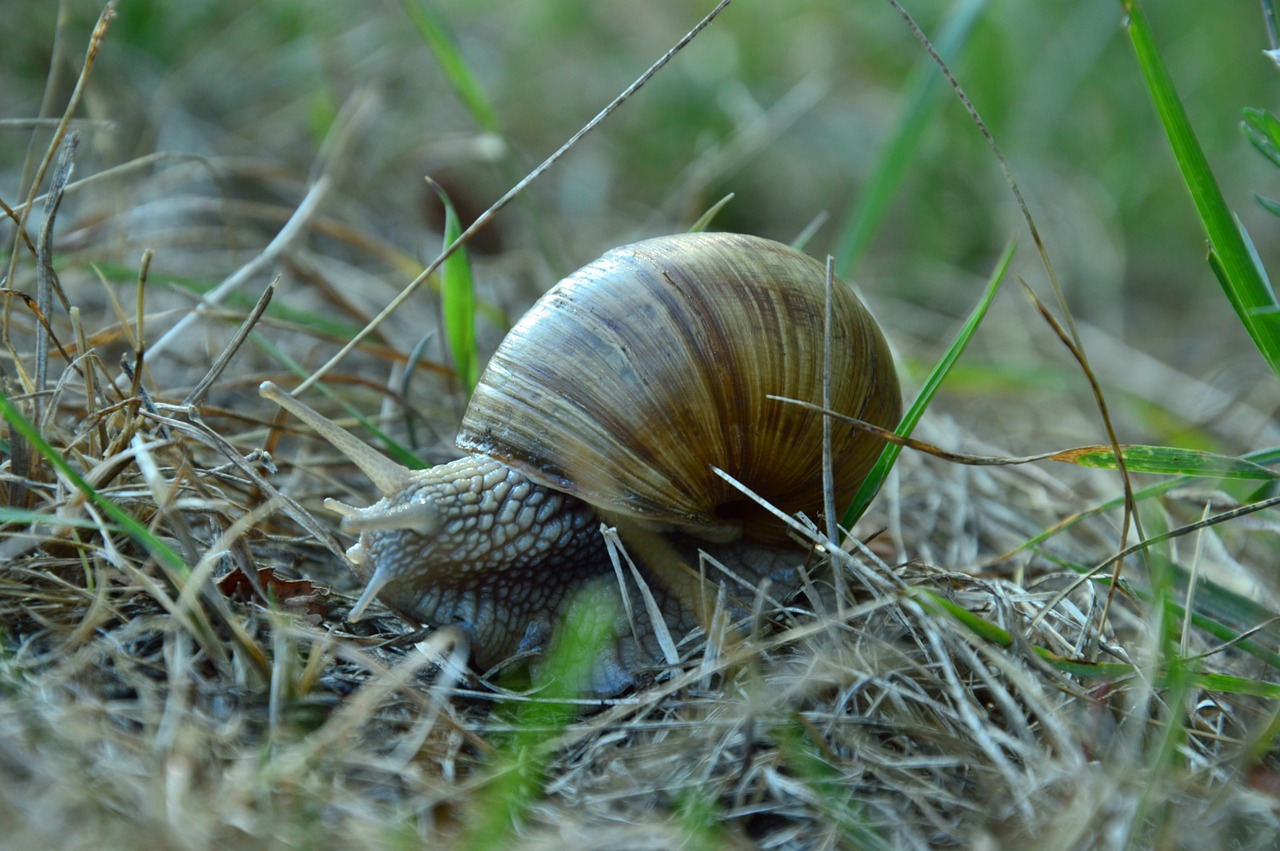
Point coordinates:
[(636, 375)]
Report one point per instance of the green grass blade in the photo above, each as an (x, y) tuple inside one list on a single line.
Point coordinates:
[(1225, 614), (454, 66), (1269, 204), (519, 770), (704, 221), (1168, 461), (1262, 457), (1242, 280), (315, 322), (805, 759), (172, 563), (458, 301), (871, 485), (898, 152), (1169, 674), (699, 815), (1219, 611), (175, 569), (1262, 129)]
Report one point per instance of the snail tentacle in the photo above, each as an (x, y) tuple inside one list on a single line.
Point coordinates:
[(388, 476), (420, 514)]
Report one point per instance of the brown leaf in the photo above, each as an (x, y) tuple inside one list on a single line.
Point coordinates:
[(300, 596)]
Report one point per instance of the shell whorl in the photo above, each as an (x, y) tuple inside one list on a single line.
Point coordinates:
[(630, 379)]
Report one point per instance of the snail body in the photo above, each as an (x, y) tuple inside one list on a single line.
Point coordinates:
[(615, 399)]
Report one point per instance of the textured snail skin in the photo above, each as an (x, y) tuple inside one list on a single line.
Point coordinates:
[(489, 568), (610, 402), (510, 554)]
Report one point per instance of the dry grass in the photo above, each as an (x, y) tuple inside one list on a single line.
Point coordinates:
[(207, 718), (189, 681)]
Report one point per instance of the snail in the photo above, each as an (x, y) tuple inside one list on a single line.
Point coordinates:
[(614, 400)]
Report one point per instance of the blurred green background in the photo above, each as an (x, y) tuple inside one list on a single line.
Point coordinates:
[(786, 105)]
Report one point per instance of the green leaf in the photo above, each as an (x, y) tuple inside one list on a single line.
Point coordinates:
[(1167, 460), (1272, 207), (454, 66), (896, 155), (1241, 277), (458, 301), (1262, 129)]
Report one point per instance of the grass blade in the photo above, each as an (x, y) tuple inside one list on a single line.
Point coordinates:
[(1242, 279), (909, 420), (519, 771), (1262, 129), (455, 68), (174, 565), (1166, 677), (1262, 457), (1168, 461), (920, 102), (458, 301)]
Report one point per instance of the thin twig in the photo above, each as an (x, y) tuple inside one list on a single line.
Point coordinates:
[(44, 268), (196, 396), (828, 462), (1145, 544), (73, 103), (292, 229)]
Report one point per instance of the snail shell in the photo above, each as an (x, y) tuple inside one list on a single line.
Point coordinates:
[(636, 375), (614, 397)]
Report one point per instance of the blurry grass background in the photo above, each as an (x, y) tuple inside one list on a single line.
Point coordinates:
[(785, 105)]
